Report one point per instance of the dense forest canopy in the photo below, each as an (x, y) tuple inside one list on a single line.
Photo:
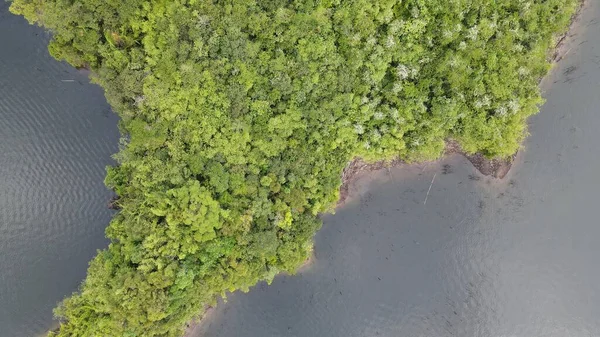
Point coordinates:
[(238, 117)]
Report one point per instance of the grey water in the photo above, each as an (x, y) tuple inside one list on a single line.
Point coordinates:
[(517, 258), (57, 134)]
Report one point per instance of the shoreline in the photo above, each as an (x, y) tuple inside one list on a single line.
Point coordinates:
[(495, 167), (191, 326), (558, 52), (490, 167)]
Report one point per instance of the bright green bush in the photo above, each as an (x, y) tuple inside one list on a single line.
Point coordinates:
[(238, 117)]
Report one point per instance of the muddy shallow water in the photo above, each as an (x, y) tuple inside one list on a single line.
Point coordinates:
[(481, 257)]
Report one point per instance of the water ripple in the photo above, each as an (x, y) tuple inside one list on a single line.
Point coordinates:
[(56, 139)]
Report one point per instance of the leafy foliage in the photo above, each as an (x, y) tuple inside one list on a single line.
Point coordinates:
[(238, 117)]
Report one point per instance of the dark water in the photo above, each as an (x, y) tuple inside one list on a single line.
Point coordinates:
[(55, 140), (519, 258)]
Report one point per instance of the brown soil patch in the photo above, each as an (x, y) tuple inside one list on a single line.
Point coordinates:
[(560, 49), (495, 167)]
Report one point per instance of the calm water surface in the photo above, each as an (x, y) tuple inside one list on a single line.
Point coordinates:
[(55, 140), (518, 258)]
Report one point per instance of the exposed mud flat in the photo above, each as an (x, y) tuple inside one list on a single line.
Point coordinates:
[(492, 167)]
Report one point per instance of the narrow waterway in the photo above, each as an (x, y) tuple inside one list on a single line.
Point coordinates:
[(482, 258), (57, 134)]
